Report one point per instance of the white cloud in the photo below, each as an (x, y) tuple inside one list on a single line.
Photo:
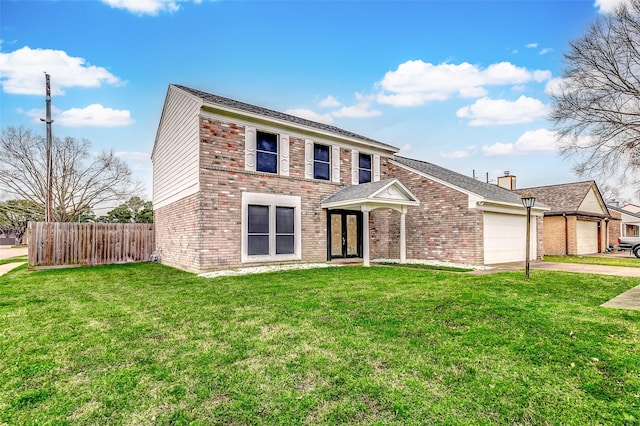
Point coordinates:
[(406, 148), (414, 83), (329, 102), (491, 112), (147, 7), (133, 155), (546, 50), (22, 72), (608, 6), (359, 110), (541, 141), (94, 115), (531, 45), (310, 115), (466, 152)]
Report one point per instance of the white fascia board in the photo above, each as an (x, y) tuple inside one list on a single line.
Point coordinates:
[(358, 203), (304, 130), (511, 208), (396, 182)]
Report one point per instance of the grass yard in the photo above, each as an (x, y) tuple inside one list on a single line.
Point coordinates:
[(630, 261), (147, 344)]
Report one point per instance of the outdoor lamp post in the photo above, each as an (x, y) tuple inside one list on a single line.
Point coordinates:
[(528, 200)]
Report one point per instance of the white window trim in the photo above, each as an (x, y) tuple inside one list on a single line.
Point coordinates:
[(251, 151), (272, 201)]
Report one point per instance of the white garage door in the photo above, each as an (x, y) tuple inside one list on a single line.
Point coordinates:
[(587, 236), (505, 236)]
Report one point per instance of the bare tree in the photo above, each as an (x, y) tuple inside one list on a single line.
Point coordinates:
[(81, 181), (596, 105), (15, 216)]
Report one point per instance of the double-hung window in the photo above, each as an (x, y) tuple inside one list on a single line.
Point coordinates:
[(321, 162), (266, 152), (364, 168), (271, 227)]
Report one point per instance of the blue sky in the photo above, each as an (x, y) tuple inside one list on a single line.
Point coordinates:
[(461, 84)]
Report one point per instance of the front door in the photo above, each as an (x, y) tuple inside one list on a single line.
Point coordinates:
[(344, 229)]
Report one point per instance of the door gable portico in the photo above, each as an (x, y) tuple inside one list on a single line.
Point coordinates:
[(385, 194)]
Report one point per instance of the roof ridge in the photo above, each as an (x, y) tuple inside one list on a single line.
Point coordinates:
[(233, 103)]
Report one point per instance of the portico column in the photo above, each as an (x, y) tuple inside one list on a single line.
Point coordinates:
[(365, 236), (403, 236)]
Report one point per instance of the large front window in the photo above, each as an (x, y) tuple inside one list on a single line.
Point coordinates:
[(271, 225), (266, 152)]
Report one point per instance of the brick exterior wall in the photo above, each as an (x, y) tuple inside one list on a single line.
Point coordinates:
[(442, 227), (554, 235), (203, 232), (561, 235), (613, 227)]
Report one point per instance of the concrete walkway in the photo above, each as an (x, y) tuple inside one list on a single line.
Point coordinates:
[(7, 252)]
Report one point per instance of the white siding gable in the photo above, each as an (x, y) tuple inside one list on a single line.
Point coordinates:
[(176, 150), (592, 203)]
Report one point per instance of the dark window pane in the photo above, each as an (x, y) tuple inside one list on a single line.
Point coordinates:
[(365, 161), (284, 244), (267, 142), (267, 162), (365, 176), (284, 220), (321, 153), (258, 219), (257, 245), (321, 171)]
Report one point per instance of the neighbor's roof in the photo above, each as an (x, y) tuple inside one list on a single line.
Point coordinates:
[(241, 106), (623, 211), (565, 197), (488, 191)]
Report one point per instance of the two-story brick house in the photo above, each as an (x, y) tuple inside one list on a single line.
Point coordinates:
[(240, 185)]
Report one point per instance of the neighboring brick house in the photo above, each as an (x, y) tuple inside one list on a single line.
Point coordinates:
[(577, 220), (624, 223), (237, 185)]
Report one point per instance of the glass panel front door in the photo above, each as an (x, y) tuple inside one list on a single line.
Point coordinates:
[(345, 234)]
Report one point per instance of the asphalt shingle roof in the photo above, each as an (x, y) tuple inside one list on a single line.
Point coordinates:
[(231, 103), (488, 191), (619, 210), (565, 197)]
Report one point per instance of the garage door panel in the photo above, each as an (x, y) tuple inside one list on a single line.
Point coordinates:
[(505, 236), (587, 237)]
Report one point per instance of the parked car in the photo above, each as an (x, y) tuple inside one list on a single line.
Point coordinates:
[(630, 243)]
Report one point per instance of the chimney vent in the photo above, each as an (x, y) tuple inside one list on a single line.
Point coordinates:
[(507, 173)]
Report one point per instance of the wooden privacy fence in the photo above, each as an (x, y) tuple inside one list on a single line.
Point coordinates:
[(74, 244)]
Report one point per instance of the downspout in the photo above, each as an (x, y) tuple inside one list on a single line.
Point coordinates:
[(566, 234)]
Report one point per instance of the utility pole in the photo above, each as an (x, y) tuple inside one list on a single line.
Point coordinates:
[(48, 214)]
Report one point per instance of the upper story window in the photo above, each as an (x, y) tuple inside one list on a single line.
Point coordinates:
[(266, 152), (321, 162), (364, 168)]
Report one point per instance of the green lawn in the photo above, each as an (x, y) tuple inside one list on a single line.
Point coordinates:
[(630, 261), (147, 344)]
